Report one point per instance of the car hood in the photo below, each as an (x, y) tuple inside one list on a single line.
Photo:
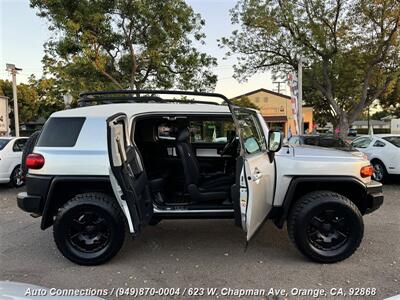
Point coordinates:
[(314, 151)]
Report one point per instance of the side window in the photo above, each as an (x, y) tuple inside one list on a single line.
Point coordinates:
[(362, 143), (294, 140), (19, 145), (211, 131), (250, 132), (379, 144)]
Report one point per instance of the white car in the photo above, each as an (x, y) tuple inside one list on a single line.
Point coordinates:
[(383, 150), (10, 160)]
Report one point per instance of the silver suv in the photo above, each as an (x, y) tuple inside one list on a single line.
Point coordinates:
[(137, 157)]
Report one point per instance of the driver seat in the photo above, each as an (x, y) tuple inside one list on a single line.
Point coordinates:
[(201, 188)]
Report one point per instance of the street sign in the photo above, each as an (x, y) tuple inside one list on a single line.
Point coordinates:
[(4, 121)]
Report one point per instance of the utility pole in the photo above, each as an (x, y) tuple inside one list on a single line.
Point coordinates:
[(300, 96), (279, 85), (14, 70)]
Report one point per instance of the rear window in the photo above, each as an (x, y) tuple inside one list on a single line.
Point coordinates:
[(60, 132), (3, 143), (395, 140)]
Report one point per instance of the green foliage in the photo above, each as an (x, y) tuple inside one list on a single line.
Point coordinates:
[(28, 106), (38, 98), (102, 44), (351, 49), (244, 102), (390, 100)]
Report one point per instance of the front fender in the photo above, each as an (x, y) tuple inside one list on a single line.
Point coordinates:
[(348, 186)]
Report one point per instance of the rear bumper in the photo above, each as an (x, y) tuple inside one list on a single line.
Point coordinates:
[(32, 201), (28, 203), (374, 196)]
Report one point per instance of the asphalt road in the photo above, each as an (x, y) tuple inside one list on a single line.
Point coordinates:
[(203, 254)]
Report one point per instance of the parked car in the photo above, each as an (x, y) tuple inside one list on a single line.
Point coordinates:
[(321, 140), (352, 132), (383, 150), (10, 160), (150, 159)]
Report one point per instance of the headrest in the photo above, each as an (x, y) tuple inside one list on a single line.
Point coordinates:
[(183, 134)]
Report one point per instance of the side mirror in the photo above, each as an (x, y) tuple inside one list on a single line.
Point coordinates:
[(275, 140)]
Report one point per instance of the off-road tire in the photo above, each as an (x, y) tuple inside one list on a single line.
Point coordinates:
[(302, 216), (96, 204)]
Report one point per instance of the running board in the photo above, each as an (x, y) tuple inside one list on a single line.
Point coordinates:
[(193, 214)]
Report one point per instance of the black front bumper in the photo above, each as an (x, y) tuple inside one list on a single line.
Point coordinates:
[(374, 196)]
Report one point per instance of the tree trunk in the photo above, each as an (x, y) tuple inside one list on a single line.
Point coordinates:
[(343, 126)]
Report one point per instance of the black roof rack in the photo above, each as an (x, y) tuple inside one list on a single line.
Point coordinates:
[(149, 96)]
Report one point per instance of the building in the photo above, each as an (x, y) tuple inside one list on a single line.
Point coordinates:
[(379, 126), (276, 109)]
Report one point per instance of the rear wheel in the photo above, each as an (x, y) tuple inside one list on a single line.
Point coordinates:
[(16, 177), (325, 226), (89, 229), (380, 173)]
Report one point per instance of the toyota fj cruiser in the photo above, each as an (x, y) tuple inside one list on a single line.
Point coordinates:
[(133, 158)]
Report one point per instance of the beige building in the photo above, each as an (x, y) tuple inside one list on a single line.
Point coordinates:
[(276, 109)]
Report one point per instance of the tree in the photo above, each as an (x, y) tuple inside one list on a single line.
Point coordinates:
[(390, 100), (49, 95), (350, 48), (39, 98), (28, 105), (102, 44)]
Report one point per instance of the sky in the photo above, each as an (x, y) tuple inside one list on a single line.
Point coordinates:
[(22, 35)]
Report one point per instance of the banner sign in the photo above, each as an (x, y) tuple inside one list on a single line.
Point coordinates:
[(294, 94), (4, 116)]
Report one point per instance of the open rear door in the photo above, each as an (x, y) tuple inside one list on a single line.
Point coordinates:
[(258, 174), (128, 177)]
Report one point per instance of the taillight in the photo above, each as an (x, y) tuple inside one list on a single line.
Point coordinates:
[(34, 161), (367, 171)]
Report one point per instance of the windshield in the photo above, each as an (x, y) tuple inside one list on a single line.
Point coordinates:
[(395, 140), (3, 143)]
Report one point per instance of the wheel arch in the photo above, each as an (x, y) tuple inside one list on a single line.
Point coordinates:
[(63, 188), (350, 187), (377, 159)]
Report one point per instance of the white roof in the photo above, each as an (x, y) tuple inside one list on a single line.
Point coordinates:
[(382, 135), (107, 110)]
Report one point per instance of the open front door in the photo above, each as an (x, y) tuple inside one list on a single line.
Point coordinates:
[(258, 174), (127, 175)]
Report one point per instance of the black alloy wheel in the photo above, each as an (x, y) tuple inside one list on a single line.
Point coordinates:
[(90, 228), (325, 226)]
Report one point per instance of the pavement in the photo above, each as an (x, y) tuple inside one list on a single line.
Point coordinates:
[(204, 254)]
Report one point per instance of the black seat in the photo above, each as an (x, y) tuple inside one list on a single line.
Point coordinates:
[(201, 188)]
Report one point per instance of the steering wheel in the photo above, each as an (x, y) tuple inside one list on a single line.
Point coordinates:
[(228, 145)]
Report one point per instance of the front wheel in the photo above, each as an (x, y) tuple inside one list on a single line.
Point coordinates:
[(89, 229), (325, 226)]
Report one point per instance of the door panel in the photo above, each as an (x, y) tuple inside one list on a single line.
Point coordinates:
[(259, 171), (131, 185)]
